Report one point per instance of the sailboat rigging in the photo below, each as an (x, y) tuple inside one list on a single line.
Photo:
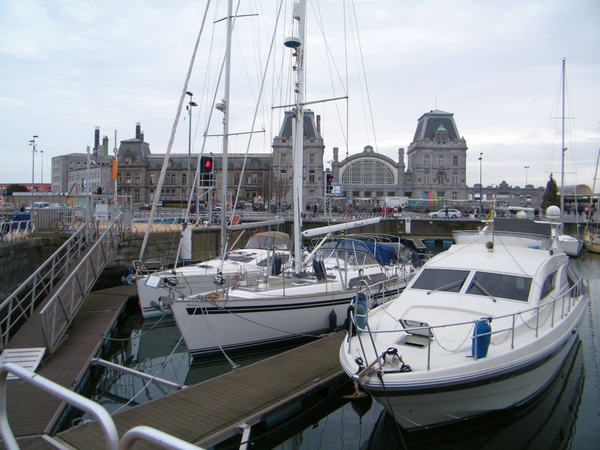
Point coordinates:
[(287, 301), (157, 287), (571, 245), (592, 233)]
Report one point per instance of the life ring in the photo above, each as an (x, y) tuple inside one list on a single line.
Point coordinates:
[(213, 296)]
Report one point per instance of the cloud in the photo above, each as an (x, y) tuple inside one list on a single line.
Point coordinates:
[(69, 66)]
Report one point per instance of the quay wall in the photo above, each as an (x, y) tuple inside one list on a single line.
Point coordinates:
[(19, 259)]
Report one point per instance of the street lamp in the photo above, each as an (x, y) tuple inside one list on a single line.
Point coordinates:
[(42, 182), (189, 108), (33, 145), (480, 185), (526, 167)]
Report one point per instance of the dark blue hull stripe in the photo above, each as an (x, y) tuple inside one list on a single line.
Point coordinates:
[(228, 309)]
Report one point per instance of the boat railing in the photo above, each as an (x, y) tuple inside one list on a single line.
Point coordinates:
[(98, 412), (555, 310)]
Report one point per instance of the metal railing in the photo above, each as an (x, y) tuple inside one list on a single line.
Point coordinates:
[(16, 230), (556, 310), (109, 430), (60, 311), (20, 305)]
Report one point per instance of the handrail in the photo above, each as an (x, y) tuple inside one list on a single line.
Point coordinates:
[(570, 297), (97, 411), (60, 311), (20, 305), (154, 436)]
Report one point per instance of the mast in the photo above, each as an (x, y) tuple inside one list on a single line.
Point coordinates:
[(225, 108), (297, 44), (563, 149)]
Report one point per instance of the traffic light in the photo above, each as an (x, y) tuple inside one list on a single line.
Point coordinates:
[(329, 181), (206, 170)]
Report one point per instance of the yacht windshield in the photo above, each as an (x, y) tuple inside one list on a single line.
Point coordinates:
[(450, 280), (266, 241), (352, 256), (500, 286)]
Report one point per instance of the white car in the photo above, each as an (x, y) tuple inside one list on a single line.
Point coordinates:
[(451, 214)]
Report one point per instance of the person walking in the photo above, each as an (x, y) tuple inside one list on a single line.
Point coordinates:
[(446, 213)]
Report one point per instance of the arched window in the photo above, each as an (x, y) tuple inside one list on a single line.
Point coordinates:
[(368, 172)]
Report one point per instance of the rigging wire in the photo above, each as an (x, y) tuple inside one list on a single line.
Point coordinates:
[(163, 172)]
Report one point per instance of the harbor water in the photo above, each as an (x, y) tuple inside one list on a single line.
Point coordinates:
[(566, 416)]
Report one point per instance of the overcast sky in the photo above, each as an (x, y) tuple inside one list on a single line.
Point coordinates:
[(67, 66)]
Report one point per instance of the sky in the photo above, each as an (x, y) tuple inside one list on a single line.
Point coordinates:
[(69, 66)]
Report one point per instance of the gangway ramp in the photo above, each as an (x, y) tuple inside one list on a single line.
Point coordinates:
[(40, 313)]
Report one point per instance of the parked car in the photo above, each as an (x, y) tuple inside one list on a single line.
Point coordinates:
[(57, 206), (148, 206), (8, 207), (446, 212), (37, 205)]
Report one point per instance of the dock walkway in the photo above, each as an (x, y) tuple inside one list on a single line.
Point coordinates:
[(207, 413), (32, 412)]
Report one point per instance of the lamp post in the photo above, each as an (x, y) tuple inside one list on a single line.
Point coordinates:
[(189, 108), (42, 182), (526, 167), (480, 185), (33, 145)]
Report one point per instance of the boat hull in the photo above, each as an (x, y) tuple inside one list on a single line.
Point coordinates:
[(507, 380), (570, 245), (251, 317), (592, 242), (188, 283), (420, 409)]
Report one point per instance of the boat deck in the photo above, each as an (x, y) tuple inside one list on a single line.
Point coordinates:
[(33, 412)]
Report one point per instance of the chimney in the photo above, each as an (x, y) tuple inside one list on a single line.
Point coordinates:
[(319, 124), (138, 128), (104, 146), (96, 140)]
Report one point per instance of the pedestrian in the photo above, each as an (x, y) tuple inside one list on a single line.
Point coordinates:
[(446, 213)]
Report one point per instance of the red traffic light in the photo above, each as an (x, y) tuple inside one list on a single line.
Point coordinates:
[(329, 178), (206, 164)]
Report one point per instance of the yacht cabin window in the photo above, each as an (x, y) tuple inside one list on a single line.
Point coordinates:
[(449, 280), (548, 285), (500, 285)]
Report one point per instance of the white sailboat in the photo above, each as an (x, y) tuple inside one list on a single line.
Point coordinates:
[(156, 284), (571, 245), (311, 295)]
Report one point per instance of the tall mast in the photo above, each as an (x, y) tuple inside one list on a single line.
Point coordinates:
[(298, 129), (226, 129), (563, 149)]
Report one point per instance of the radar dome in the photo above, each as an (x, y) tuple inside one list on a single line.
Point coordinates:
[(553, 212)]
